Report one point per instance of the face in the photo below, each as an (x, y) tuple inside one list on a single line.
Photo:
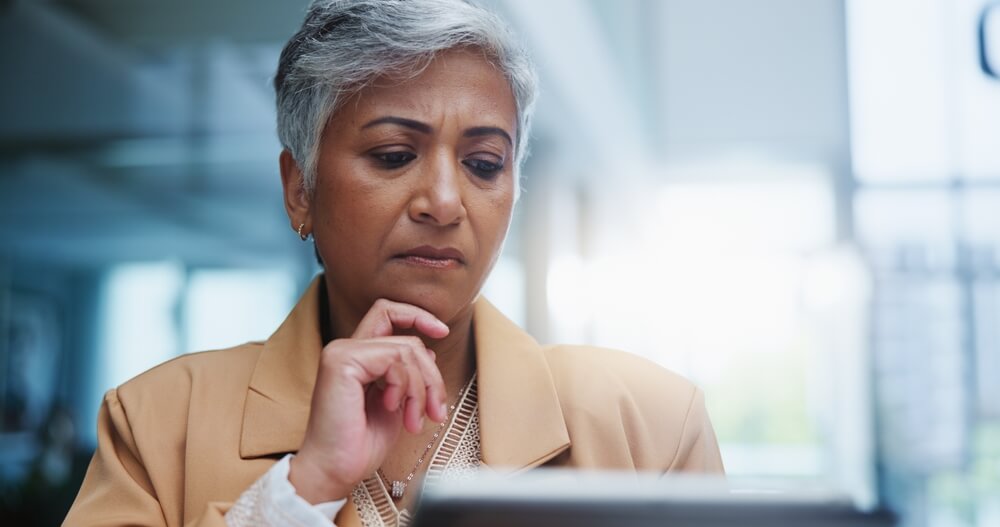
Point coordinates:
[(415, 188)]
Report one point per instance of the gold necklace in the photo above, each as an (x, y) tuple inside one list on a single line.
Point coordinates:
[(398, 486)]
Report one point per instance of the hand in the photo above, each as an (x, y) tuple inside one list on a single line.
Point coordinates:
[(367, 388)]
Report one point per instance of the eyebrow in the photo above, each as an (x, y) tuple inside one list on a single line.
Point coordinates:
[(476, 131), (480, 131)]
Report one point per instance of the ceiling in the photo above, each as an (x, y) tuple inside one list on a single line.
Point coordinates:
[(143, 130), (155, 24)]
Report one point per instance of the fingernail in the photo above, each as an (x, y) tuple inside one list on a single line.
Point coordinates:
[(444, 410), (422, 421)]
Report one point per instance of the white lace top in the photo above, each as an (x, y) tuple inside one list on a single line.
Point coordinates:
[(457, 457)]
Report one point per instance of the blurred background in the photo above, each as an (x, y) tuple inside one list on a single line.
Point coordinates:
[(796, 203)]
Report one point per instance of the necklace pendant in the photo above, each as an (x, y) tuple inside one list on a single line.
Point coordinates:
[(398, 488)]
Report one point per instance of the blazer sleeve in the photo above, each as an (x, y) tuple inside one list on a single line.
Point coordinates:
[(117, 489), (698, 449)]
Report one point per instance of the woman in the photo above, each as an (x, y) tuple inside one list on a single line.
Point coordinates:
[(403, 125)]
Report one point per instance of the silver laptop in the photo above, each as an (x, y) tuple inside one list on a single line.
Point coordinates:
[(546, 498)]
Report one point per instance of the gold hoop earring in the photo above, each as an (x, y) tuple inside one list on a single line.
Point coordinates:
[(303, 236)]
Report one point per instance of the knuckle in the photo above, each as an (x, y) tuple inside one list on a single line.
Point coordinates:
[(337, 352), (352, 370), (336, 347), (401, 350), (330, 357)]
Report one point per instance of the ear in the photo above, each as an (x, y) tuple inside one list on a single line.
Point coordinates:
[(297, 200)]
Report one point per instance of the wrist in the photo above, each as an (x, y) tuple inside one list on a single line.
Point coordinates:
[(313, 484)]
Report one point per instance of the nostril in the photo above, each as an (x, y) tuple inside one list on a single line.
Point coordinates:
[(438, 198)]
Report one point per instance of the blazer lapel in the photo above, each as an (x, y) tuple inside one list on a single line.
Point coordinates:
[(277, 405), (520, 419)]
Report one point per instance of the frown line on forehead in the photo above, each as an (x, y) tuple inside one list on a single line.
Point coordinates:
[(412, 124), (424, 128)]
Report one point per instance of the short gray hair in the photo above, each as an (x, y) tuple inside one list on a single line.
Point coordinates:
[(344, 45)]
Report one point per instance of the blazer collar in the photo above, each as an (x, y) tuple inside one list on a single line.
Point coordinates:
[(520, 419), (277, 403)]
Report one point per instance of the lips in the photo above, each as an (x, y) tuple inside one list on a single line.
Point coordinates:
[(433, 257)]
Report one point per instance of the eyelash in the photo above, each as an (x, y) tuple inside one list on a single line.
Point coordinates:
[(394, 159), (482, 168)]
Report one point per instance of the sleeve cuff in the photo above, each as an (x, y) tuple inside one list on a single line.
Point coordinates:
[(272, 501)]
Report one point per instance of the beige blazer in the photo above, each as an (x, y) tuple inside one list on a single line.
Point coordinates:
[(179, 443)]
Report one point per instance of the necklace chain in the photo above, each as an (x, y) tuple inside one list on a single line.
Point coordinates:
[(398, 487)]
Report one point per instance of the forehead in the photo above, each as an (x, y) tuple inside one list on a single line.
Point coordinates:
[(461, 84)]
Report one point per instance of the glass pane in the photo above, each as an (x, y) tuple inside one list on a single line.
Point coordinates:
[(922, 109), (139, 326), (226, 307)]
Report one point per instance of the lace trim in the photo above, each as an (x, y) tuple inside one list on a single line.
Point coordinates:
[(249, 508), (371, 499), (272, 501), (456, 457)]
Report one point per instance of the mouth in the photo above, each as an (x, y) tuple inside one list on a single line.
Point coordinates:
[(433, 257)]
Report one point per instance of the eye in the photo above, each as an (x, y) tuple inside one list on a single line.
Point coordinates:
[(393, 159), (483, 168)]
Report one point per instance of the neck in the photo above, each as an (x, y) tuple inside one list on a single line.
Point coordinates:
[(455, 353)]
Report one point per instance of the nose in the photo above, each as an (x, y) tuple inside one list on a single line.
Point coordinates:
[(437, 199)]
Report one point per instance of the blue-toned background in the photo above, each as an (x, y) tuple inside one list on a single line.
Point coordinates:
[(796, 203)]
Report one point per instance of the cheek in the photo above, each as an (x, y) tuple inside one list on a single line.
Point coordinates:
[(353, 204), (504, 203), (499, 210)]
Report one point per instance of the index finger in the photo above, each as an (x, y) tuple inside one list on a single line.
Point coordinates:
[(386, 316)]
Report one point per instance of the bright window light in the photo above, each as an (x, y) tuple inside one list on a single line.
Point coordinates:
[(227, 307), (155, 311), (731, 280), (505, 289), (139, 328)]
